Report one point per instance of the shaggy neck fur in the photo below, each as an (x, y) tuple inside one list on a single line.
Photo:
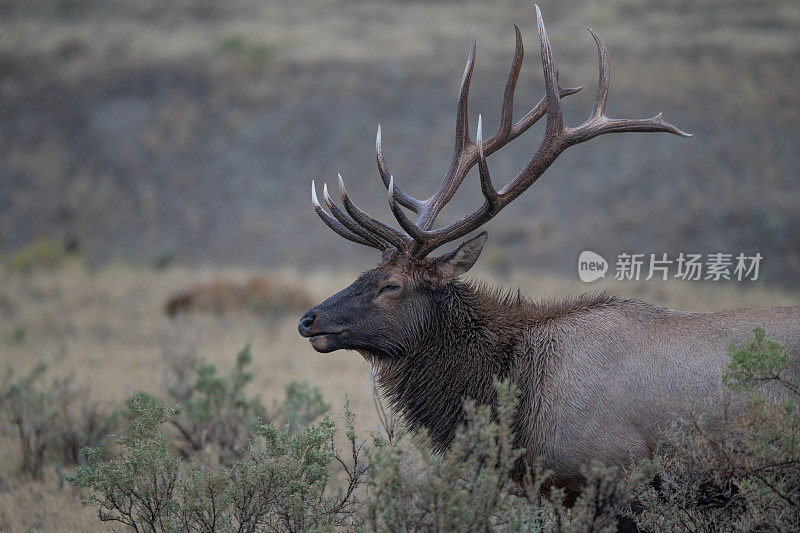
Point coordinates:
[(469, 339)]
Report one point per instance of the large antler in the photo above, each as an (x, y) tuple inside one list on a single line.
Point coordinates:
[(420, 239)]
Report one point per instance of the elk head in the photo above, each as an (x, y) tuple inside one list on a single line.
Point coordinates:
[(387, 309)]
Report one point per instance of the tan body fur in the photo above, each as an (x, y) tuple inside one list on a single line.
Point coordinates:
[(601, 383)]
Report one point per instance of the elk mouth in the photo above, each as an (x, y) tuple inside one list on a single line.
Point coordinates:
[(327, 342)]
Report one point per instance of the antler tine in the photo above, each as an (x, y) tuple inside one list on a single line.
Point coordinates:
[(604, 78), (406, 200), (556, 139), (462, 113), (460, 164), (349, 223), (598, 123), (483, 169), (507, 110), (334, 224), (559, 137), (509, 130), (555, 121), (412, 229), (552, 144), (376, 227)]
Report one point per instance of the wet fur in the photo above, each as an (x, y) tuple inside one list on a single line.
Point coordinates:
[(452, 364), (478, 332)]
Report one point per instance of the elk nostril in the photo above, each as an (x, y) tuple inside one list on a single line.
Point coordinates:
[(306, 322)]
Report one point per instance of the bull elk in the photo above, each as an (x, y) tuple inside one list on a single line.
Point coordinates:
[(599, 376)]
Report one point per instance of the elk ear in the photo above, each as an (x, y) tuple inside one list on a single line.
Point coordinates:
[(461, 259)]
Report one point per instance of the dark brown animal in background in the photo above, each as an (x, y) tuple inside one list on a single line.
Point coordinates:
[(599, 376)]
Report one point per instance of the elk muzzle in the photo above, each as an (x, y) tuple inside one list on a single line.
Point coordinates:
[(321, 339)]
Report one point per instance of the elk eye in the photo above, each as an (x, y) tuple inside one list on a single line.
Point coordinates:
[(388, 288)]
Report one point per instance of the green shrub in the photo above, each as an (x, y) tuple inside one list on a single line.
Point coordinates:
[(284, 480), (280, 484), (759, 360), (137, 487), (602, 504), (55, 419), (217, 417), (742, 474), (412, 489), (303, 404)]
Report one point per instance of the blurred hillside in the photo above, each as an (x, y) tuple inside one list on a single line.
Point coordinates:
[(148, 131)]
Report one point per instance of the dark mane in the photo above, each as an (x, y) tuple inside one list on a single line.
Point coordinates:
[(468, 343), (470, 339), (558, 307), (508, 298), (549, 308)]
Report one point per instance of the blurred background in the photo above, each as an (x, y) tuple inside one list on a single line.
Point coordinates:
[(156, 160), (150, 132)]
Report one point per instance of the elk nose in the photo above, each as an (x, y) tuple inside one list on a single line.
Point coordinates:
[(306, 322)]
